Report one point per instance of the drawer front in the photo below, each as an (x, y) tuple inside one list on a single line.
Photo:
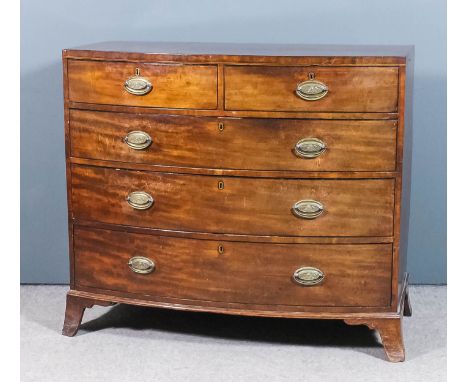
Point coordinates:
[(251, 144), (172, 86), (255, 206), (256, 273), (350, 89)]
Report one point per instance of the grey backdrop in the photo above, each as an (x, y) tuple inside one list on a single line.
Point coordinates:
[(50, 25)]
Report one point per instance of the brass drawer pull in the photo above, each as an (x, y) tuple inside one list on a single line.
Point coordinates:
[(138, 140), (308, 276), (140, 264), (309, 148), (308, 209), (140, 200), (311, 90), (138, 85)]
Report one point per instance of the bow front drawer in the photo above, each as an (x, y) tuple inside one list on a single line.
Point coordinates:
[(311, 89), (257, 206), (247, 144), (143, 84), (251, 273)]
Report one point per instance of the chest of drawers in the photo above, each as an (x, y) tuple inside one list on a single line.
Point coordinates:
[(240, 179)]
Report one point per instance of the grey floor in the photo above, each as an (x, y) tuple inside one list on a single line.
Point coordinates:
[(125, 343)]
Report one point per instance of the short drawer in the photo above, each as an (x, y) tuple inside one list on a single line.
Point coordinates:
[(249, 144), (258, 206), (143, 84), (330, 89), (250, 273)]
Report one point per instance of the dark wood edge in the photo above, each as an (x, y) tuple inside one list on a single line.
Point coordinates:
[(235, 173), (220, 88), (66, 117), (233, 113), (386, 122), (388, 323), (398, 185), (202, 307), (235, 59), (223, 237)]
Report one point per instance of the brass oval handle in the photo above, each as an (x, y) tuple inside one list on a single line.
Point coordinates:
[(308, 276), (140, 200), (308, 209), (138, 140), (309, 148), (311, 90), (140, 264), (138, 85)]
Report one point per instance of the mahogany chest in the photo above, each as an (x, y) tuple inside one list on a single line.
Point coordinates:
[(263, 180)]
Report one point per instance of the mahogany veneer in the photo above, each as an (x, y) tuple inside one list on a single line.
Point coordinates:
[(245, 273), (357, 89), (240, 179), (179, 86), (245, 205), (354, 145)]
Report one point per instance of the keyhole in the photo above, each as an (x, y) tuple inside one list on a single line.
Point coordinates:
[(220, 185), (220, 249), (137, 71), (311, 75), (221, 126)]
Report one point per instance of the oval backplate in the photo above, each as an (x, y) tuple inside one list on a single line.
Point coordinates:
[(310, 148), (308, 276), (138, 85), (311, 90), (308, 209), (140, 264), (140, 200), (138, 140)]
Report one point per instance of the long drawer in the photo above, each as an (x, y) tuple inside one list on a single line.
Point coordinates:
[(143, 84), (311, 89), (251, 273), (251, 144), (289, 207)]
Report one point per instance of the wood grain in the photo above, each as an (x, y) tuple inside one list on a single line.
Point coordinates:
[(174, 86), (283, 311), (355, 275), (239, 237), (390, 333), (74, 312), (257, 144), (284, 54), (389, 328), (273, 88), (362, 179), (244, 206), (277, 174), (233, 113)]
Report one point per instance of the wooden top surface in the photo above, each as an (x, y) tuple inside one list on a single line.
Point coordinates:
[(236, 49), (224, 52)]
